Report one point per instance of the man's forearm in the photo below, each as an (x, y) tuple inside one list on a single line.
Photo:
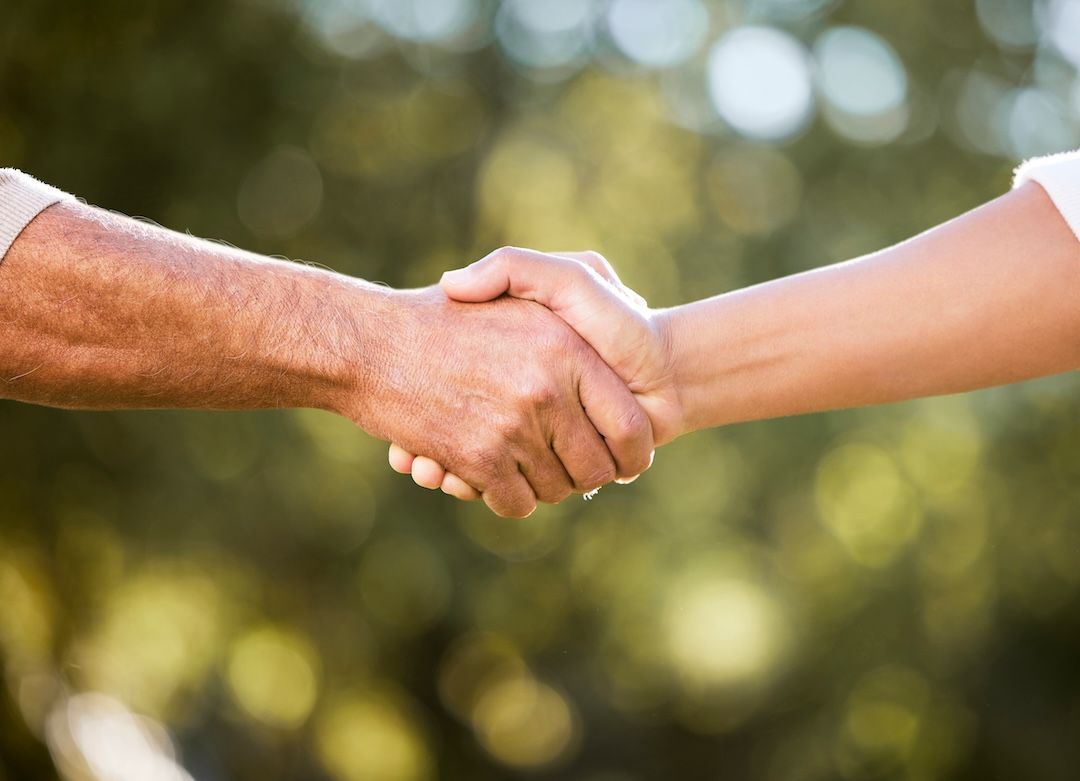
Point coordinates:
[(990, 298), (99, 310)]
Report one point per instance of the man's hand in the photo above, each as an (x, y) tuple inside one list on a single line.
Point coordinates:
[(104, 312), (506, 395), (583, 290)]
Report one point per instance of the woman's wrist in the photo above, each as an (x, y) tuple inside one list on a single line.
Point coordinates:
[(667, 402), (730, 359)]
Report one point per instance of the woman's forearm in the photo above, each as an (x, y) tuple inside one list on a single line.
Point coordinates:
[(988, 298)]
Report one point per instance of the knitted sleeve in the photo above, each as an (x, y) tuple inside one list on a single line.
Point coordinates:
[(1059, 175), (22, 198)]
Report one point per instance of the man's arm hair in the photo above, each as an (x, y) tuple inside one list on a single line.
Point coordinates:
[(101, 311)]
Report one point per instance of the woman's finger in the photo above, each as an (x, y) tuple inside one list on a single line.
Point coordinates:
[(427, 473), (401, 460), (603, 267), (458, 488)]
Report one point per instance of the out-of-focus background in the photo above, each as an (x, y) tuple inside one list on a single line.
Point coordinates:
[(876, 594)]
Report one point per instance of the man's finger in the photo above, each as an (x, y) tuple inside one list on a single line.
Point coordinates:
[(511, 497), (546, 475), (619, 418), (583, 453)]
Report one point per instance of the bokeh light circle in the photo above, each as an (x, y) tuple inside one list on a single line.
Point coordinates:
[(787, 11), (525, 723), (343, 27), (1010, 23), (861, 80), (759, 81), (552, 34), (281, 194), (273, 676), (860, 72), (373, 736), (425, 20), (722, 631), (754, 189), (867, 503), (657, 33), (1037, 123), (1061, 27), (92, 736)]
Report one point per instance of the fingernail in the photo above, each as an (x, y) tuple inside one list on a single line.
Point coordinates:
[(626, 480)]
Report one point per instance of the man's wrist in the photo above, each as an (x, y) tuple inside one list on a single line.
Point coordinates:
[(366, 327), (107, 312)]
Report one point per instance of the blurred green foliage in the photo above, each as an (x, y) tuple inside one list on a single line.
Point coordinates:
[(875, 594)]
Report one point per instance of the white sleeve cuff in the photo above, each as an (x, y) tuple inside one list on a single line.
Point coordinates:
[(22, 198), (1059, 175)]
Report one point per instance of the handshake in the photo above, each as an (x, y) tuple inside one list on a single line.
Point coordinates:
[(562, 382), (526, 376), (566, 380)]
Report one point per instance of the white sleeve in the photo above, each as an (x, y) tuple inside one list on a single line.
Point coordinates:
[(22, 198), (1059, 175)]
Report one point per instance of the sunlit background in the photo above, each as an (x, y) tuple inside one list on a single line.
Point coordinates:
[(877, 594)]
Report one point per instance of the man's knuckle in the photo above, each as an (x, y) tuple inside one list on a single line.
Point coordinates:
[(630, 424), (597, 476), (561, 343), (500, 428), (483, 462), (540, 393), (510, 430), (554, 490)]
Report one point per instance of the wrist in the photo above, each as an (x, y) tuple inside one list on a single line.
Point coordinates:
[(699, 356), (736, 358), (370, 329), (666, 400)]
